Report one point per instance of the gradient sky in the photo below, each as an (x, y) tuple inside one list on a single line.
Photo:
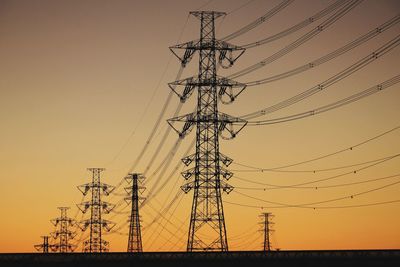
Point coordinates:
[(77, 76)]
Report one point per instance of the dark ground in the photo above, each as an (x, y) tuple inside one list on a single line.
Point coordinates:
[(341, 258)]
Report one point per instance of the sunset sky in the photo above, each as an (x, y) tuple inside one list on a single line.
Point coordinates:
[(83, 83)]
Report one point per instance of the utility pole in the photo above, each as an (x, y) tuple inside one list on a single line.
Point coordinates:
[(135, 236), (97, 206), (44, 247), (267, 230), (207, 231), (63, 233)]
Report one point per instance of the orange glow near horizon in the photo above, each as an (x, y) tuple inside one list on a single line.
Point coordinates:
[(83, 83)]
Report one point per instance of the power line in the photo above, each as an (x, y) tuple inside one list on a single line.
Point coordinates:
[(298, 26), (166, 207), (167, 220), (155, 127), (258, 21), (386, 48), (310, 204), (332, 55), (340, 103), (204, 5), (151, 99), (151, 136), (163, 110), (346, 173), (315, 170), (240, 7), (161, 174), (161, 144), (157, 190), (318, 207), (275, 186), (350, 148), (309, 35)]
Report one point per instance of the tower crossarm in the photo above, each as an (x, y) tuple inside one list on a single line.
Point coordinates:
[(106, 188), (229, 53), (226, 123), (228, 90)]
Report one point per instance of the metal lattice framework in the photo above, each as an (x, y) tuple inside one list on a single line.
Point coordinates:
[(44, 247), (135, 235), (97, 206), (63, 234), (207, 231), (266, 224)]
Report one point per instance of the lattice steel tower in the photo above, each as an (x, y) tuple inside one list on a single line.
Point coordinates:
[(63, 234), (135, 236), (267, 230), (207, 231), (44, 247), (97, 206)]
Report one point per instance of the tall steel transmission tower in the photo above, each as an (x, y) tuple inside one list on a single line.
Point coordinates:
[(135, 235), (207, 231), (267, 230), (97, 207), (43, 247), (63, 234)]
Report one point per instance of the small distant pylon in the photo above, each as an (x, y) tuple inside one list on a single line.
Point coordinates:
[(44, 247), (63, 234), (267, 224), (135, 236), (97, 206)]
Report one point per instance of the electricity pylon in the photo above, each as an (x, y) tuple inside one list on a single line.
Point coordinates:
[(207, 231), (97, 206), (44, 247), (266, 224), (135, 235), (63, 234)]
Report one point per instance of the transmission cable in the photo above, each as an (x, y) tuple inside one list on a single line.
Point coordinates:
[(296, 27), (258, 21), (338, 52), (162, 141), (350, 148), (345, 173), (152, 134), (166, 207), (301, 185), (312, 170), (331, 106), (307, 205), (155, 187), (316, 207), (386, 48), (175, 236), (204, 5), (151, 98), (240, 7), (156, 125), (168, 220), (275, 186), (309, 35)]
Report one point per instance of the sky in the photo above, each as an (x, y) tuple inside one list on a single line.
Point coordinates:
[(83, 83)]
